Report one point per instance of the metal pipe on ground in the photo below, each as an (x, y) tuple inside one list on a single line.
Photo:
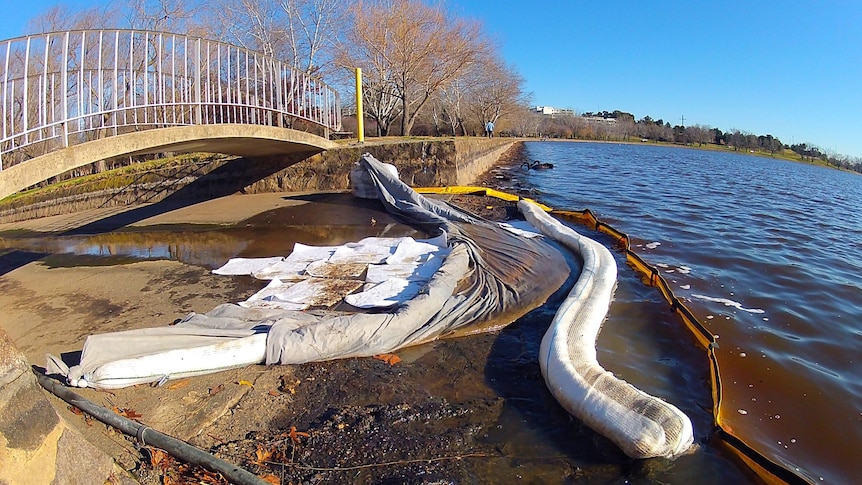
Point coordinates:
[(148, 436)]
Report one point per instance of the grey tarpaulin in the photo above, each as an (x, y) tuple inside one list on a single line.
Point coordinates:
[(491, 277)]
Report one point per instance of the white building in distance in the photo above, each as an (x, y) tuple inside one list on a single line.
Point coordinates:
[(550, 111)]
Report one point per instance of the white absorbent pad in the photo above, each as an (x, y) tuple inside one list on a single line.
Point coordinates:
[(308, 293), (311, 276), (368, 251), (395, 284), (245, 266), (343, 271), (295, 264)]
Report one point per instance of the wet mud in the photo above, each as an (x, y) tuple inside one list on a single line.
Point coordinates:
[(466, 410)]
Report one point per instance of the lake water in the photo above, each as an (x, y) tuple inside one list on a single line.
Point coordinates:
[(768, 255)]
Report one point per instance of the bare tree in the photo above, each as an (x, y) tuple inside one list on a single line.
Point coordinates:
[(418, 49), (699, 134), (313, 27), (495, 90), (247, 23), (159, 15), (60, 18), (380, 101), (301, 32), (526, 122), (451, 101)]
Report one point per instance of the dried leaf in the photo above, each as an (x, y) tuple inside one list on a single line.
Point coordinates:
[(274, 480), (179, 384), (215, 390), (132, 414), (87, 418), (246, 383), (390, 359), (158, 458), (262, 455), (289, 385), (127, 413), (294, 434), (274, 393), (206, 476)]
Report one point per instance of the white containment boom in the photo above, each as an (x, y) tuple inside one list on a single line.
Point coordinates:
[(642, 426)]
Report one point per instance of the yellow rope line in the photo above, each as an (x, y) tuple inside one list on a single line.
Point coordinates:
[(763, 466)]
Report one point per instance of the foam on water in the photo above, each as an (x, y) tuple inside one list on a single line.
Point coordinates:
[(727, 302)]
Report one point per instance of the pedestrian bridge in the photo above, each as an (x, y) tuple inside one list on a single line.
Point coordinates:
[(73, 98)]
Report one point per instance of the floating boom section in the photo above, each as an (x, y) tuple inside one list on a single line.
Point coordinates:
[(641, 425)]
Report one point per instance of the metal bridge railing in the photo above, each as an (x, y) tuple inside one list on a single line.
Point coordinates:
[(60, 89)]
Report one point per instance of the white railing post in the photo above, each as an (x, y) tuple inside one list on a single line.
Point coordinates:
[(80, 113), (6, 100), (116, 86), (198, 107), (64, 116), (25, 106), (43, 94)]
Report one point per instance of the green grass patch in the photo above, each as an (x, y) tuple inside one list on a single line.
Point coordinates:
[(109, 179)]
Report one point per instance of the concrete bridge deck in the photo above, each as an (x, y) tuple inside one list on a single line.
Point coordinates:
[(77, 97)]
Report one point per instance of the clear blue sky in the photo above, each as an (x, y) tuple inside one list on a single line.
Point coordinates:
[(14, 14), (789, 68), (792, 69)]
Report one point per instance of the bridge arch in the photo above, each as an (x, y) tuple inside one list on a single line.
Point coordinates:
[(63, 91), (232, 139)]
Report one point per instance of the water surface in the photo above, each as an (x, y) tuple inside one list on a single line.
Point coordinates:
[(767, 254)]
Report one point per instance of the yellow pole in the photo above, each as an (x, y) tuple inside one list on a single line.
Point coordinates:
[(360, 117)]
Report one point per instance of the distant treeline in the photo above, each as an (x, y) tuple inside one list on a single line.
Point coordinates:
[(621, 126), (426, 70)]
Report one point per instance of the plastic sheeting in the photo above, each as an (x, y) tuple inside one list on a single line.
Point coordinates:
[(390, 272), (490, 276)]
